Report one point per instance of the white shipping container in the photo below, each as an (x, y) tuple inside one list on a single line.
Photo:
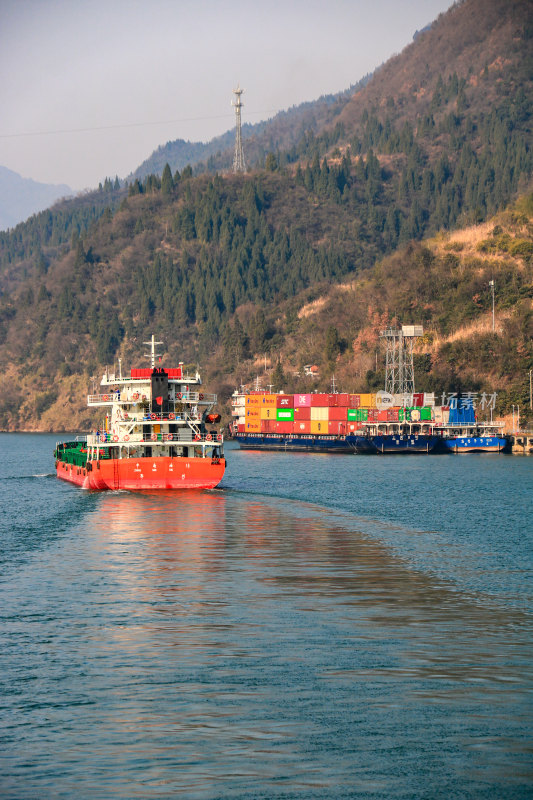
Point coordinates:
[(319, 413)]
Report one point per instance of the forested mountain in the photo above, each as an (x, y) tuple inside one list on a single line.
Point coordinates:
[(237, 270)]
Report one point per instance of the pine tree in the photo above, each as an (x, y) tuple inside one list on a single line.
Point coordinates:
[(167, 182)]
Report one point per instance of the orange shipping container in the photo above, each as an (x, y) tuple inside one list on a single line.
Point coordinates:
[(319, 426), (368, 400), (268, 412), (253, 426), (268, 401), (253, 399), (253, 413)]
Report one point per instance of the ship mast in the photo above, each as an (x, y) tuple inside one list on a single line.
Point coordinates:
[(152, 356)]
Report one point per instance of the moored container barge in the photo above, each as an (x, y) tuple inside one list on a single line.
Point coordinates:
[(359, 423), (333, 422)]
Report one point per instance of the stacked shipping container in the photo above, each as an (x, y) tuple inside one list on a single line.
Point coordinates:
[(327, 414)]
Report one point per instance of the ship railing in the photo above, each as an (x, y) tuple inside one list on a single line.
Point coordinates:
[(183, 436), (101, 399), (128, 398), (196, 397)]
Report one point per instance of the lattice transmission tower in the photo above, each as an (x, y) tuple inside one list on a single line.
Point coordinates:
[(399, 369), (238, 158)]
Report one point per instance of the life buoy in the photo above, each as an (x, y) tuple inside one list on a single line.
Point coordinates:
[(171, 415), (208, 437), (169, 437), (126, 416), (153, 437), (105, 397), (126, 438), (200, 397), (153, 416), (115, 438), (219, 437), (136, 396), (179, 395), (197, 438)]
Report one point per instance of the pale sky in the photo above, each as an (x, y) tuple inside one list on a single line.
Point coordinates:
[(89, 88)]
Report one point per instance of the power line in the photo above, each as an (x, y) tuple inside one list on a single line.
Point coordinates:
[(127, 125)]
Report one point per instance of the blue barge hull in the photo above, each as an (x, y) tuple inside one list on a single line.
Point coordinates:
[(304, 444), (397, 443), (475, 444)]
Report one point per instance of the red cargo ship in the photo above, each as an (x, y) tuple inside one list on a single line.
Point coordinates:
[(155, 435)]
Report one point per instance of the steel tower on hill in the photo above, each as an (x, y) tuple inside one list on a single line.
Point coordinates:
[(400, 374), (238, 158)]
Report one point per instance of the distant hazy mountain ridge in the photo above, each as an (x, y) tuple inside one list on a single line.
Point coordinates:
[(22, 197)]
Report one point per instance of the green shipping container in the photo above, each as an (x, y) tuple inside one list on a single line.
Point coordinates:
[(425, 414), (286, 414), (353, 415), (401, 414)]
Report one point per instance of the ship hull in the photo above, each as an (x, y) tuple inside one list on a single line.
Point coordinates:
[(395, 443), (475, 444), (144, 473), (309, 444)]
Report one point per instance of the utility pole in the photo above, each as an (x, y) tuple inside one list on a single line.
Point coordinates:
[(530, 390), (491, 284), (238, 157)]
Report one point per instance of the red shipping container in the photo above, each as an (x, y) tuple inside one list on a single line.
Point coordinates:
[(354, 400), (240, 428), (351, 427), (302, 427), (285, 401), (338, 399), (337, 428), (318, 400), (338, 413), (268, 426), (418, 399), (382, 416), (302, 413), (392, 415), (372, 415), (284, 427), (302, 400)]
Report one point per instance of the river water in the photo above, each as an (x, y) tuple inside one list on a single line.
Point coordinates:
[(317, 627)]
